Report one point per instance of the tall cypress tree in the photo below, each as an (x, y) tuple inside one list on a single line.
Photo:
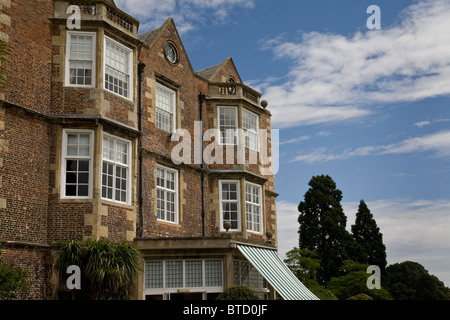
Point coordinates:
[(367, 234), (322, 226)]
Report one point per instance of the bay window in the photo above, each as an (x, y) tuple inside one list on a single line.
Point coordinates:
[(228, 124), (118, 68), (80, 59), (229, 204), (251, 127), (77, 163), (116, 175), (253, 207)]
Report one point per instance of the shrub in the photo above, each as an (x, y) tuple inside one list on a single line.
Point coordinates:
[(361, 296), (238, 293)]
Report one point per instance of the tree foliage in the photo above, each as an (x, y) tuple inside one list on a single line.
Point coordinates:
[(331, 262), (322, 226), (354, 282), (411, 281), (13, 280), (304, 264), (107, 269), (238, 293), (368, 237)]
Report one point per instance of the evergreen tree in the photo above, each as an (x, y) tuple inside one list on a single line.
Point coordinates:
[(322, 226), (368, 236)]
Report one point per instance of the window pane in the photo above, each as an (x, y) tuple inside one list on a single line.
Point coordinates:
[(83, 178), (83, 190), (166, 195), (81, 59), (115, 176), (71, 190), (83, 150), (72, 165), (71, 177), (153, 274), (83, 166), (193, 271), (253, 208), (213, 273), (228, 125), (117, 71), (250, 125), (174, 274)]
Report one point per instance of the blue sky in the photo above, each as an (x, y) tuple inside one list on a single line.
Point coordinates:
[(371, 108)]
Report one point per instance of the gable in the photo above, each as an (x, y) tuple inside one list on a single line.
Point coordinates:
[(221, 72), (156, 40)]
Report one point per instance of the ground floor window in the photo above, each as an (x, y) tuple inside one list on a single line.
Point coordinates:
[(247, 275), (166, 277)]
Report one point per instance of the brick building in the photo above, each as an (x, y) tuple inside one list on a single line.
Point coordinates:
[(101, 136)]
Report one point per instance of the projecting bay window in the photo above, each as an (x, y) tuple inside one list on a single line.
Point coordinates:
[(229, 204), (166, 194), (118, 68), (251, 128), (116, 166), (77, 164), (80, 59), (253, 207), (165, 111), (228, 124)]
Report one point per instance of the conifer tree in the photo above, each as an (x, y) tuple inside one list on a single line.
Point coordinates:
[(322, 226), (368, 236)]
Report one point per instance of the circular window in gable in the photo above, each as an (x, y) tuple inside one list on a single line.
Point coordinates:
[(171, 53)]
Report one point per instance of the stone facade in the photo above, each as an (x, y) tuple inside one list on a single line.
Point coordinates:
[(110, 98)]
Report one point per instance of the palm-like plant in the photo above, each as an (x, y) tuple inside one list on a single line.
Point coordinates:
[(107, 269)]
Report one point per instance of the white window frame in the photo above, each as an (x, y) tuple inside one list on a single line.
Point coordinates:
[(159, 86), (237, 201), (166, 190), (167, 290), (93, 60), (65, 157), (254, 204), (115, 163), (129, 53), (250, 131), (222, 139)]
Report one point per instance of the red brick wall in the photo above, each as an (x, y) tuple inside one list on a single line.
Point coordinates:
[(25, 179), (37, 261), (29, 67)]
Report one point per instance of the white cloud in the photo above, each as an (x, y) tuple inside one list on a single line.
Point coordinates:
[(295, 140), (436, 143), (422, 124), (187, 14), (338, 78), (412, 230)]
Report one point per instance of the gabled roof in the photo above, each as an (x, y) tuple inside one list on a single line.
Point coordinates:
[(111, 2), (148, 37), (210, 72)]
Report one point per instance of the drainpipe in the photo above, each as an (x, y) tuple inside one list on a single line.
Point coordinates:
[(201, 99), (140, 231)]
